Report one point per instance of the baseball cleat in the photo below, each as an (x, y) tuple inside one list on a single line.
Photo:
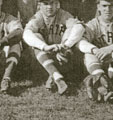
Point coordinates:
[(62, 86), (108, 97), (5, 85)]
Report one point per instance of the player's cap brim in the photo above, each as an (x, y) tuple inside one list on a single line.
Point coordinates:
[(97, 1)]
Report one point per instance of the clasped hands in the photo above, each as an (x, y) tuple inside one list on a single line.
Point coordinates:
[(52, 48), (61, 51), (104, 53)]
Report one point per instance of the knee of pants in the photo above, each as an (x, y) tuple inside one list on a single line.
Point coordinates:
[(14, 54), (39, 53), (91, 62), (42, 56)]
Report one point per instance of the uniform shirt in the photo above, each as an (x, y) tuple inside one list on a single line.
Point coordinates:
[(99, 33), (51, 28), (8, 23)]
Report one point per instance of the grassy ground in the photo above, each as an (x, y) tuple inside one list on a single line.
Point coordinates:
[(29, 100)]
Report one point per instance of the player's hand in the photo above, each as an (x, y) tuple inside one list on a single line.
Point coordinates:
[(51, 48), (57, 48), (64, 55), (61, 58), (102, 53)]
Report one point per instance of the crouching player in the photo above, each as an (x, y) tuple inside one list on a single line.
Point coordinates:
[(10, 36), (97, 44), (44, 33)]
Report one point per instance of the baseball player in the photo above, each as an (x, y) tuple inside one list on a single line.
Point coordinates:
[(44, 33), (97, 44), (10, 36)]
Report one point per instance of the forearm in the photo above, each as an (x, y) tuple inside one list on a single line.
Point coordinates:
[(85, 46), (75, 35), (32, 40)]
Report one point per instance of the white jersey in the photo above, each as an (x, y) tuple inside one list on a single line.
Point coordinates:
[(99, 33), (8, 23), (51, 28)]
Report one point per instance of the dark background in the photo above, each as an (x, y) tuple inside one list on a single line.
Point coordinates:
[(85, 9)]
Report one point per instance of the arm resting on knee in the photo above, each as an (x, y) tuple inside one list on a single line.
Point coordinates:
[(85, 46), (32, 40)]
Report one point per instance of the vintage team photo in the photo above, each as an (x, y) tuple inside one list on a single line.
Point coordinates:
[(56, 59)]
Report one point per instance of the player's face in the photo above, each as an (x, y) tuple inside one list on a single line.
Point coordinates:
[(49, 8), (106, 9)]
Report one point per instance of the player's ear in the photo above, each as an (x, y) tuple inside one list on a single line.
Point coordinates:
[(58, 4), (98, 9), (38, 5), (97, 13)]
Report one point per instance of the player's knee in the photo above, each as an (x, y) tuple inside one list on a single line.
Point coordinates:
[(92, 64), (90, 58), (41, 56)]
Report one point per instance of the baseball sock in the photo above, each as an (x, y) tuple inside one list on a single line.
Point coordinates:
[(48, 64), (11, 63), (95, 69)]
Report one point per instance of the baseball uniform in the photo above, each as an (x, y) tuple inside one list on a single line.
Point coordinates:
[(41, 31), (98, 34), (10, 36)]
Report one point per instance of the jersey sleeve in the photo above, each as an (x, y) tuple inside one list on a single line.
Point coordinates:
[(35, 23), (63, 16), (12, 24), (73, 35), (67, 17), (89, 34), (30, 33), (85, 45)]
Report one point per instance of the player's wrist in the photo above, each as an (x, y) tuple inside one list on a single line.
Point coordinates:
[(94, 50), (64, 46), (45, 47)]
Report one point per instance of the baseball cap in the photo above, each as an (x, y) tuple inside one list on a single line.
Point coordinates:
[(104, 0)]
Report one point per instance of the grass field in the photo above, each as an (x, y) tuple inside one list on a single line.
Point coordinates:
[(29, 100)]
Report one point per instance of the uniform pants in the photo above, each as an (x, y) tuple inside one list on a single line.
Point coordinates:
[(13, 54), (94, 66)]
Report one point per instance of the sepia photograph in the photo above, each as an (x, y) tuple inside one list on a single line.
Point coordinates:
[(56, 59)]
